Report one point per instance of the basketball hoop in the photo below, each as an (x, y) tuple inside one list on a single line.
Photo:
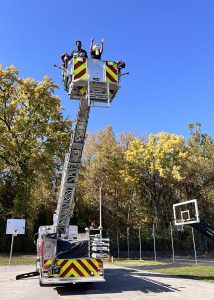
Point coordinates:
[(180, 228), (186, 212)]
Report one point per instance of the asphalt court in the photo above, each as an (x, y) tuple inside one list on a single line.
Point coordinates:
[(121, 283)]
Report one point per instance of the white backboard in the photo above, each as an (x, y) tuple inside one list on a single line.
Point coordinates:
[(186, 212), (17, 225)]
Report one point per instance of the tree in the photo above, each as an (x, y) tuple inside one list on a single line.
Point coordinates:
[(155, 165), (33, 138), (199, 170), (102, 164)]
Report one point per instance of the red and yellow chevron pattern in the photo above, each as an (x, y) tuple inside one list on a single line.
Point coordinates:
[(111, 72), (82, 267), (80, 68)]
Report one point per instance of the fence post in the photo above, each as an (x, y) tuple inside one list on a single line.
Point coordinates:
[(173, 252), (153, 233), (118, 244), (193, 239), (128, 241), (140, 241)]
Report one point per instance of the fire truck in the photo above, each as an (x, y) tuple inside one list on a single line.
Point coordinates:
[(63, 254)]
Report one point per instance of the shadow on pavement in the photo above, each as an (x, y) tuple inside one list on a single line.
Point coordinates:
[(118, 281)]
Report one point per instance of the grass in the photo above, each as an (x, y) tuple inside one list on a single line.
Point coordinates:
[(137, 263), (205, 273), (17, 259)]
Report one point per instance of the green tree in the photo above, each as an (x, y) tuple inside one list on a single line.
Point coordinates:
[(102, 164), (155, 165), (33, 138), (199, 170)]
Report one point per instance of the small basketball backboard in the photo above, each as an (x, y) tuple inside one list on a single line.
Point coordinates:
[(15, 226), (186, 212)]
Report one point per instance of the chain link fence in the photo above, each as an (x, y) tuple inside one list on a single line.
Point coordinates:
[(152, 242)]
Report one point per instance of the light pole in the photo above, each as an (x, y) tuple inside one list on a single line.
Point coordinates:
[(100, 227)]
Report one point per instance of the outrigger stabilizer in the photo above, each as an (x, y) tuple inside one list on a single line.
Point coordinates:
[(26, 275)]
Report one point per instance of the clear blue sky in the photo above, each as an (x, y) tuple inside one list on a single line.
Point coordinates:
[(168, 46)]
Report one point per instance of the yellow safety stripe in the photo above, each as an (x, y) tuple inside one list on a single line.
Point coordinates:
[(90, 267), (81, 269), (108, 70), (65, 266), (79, 69), (72, 272), (86, 272)]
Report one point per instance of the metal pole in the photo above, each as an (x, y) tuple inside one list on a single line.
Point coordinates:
[(140, 242), (100, 227), (118, 244), (193, 239), (128, 241), (11, 249), (173, 251), (154, 242)]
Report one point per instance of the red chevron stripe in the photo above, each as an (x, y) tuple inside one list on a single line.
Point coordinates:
[(66, 271), (100, 262), (78, 64), (78, 271), (72, 266), (80, 74), (63, 263), (110, 77), (84, 267), (92, 265), (113, 69)]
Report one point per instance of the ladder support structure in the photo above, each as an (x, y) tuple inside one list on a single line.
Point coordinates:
[(71, 169)]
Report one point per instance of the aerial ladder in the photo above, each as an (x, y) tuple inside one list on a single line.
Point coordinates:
[(63, 254)]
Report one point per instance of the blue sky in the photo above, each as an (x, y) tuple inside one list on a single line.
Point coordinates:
[(168, 47)]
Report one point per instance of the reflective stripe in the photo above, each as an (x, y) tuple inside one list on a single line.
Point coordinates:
[(47, 263), (82, 267), (111, 72), (64, 269), (77, 267), (80, 71), (72, 272)]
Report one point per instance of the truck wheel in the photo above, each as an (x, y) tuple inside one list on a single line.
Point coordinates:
[(40, 282)]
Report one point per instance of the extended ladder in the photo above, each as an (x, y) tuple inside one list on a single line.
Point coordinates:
[(71, 169)]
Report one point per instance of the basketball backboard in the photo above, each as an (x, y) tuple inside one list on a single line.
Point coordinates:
[(16, 226), (186, 212)]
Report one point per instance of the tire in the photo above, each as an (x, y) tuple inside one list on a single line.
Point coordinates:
[(41, 283)]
